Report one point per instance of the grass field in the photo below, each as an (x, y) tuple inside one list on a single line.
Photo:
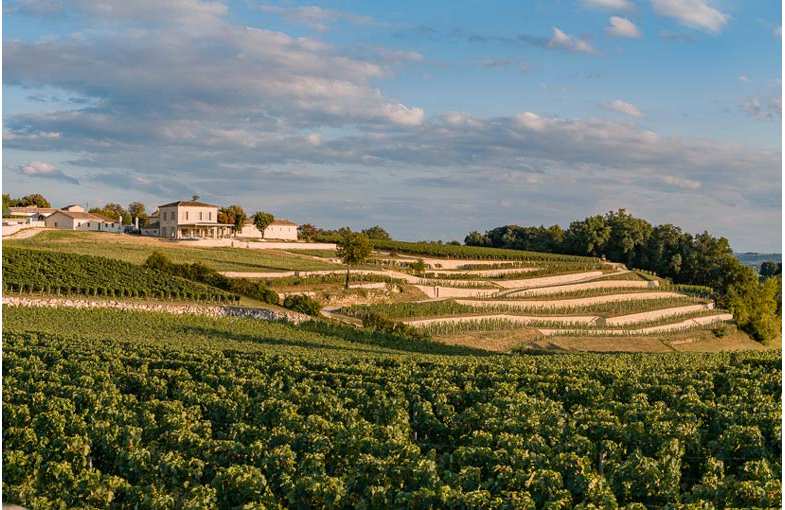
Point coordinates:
[(136, 249)]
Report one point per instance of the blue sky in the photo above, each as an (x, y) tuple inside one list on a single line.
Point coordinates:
[(429, 118)]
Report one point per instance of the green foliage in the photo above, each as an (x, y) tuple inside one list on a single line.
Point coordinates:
[(307, 232), (233, 215), (435, 249), (34, 200), (376, 232), (262, 220), (113, 212), (757, 307), (303, 304), (43, 272), (154, 422), (198, 272), (353, 248)]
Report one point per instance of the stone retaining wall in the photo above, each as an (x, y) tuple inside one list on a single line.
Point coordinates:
[(176, 309)]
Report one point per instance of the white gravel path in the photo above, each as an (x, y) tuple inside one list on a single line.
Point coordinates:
[(520, 319), (568, 303), (653, 315), (604, 284)]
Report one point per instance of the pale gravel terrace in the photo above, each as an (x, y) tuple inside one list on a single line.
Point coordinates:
[(569, 303), (653, 315), (604, 284), (664, 328)]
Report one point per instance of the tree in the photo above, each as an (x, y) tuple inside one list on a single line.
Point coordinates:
[(233, 215), (6, 205), (136, 210), (769, 269), (588, 237), (353, 249), (113, 212), (475, 239), (377, 232), (627, 234), (262, 220), (418, 267), (307, 232), (36, 199)]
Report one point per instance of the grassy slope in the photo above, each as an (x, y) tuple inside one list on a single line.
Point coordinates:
[(136, 249), (190, 332)]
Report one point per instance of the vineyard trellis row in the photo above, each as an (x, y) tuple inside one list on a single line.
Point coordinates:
[(41, 272), (131, 425)]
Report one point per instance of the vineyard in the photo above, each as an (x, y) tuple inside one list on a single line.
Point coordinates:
[(33, 271), (472, 252), (152, 411)]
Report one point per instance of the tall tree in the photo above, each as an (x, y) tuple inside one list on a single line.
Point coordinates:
[(588, 237), (262, 220), (234, 215), (36, 199), (307, 232), (353, 249), (377, 232), (137, 210)]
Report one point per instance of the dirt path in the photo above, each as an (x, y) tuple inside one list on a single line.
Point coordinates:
[(26, 233)]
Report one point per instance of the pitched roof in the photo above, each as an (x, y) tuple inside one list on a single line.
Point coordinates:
[(32, 209), (84, 216), (70, 205), (191, 203)]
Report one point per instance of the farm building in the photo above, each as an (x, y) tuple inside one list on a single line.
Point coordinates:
[(75, 220), (278, 229), (31, 213), (191, 219), (152, 226)]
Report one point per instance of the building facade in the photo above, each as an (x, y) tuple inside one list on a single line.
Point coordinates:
[(190, 219), (82, 221), (279, 229)]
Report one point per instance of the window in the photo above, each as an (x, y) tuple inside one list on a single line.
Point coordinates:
[(200, 215), (186, 215), (210, 215)]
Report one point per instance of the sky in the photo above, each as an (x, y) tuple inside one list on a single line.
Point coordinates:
[(431, 119)]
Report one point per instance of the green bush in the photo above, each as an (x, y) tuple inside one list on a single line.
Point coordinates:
[(303, 304)]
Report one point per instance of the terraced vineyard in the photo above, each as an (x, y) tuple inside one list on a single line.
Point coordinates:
[(571, 296)]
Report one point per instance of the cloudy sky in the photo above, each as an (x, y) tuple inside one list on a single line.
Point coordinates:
[(429, 118)]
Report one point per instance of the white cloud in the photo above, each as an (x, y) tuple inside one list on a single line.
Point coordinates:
[(692, 13), (744, 78), (567, 42), (45, 170), (763, 108), (314, 16), (681, 182), (622, 27), (624, 107), (621, 5)]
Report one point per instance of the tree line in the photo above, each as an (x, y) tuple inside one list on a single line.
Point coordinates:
[(696, 259)]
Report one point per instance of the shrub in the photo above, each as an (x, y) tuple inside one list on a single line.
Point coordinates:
[(303, 304)]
